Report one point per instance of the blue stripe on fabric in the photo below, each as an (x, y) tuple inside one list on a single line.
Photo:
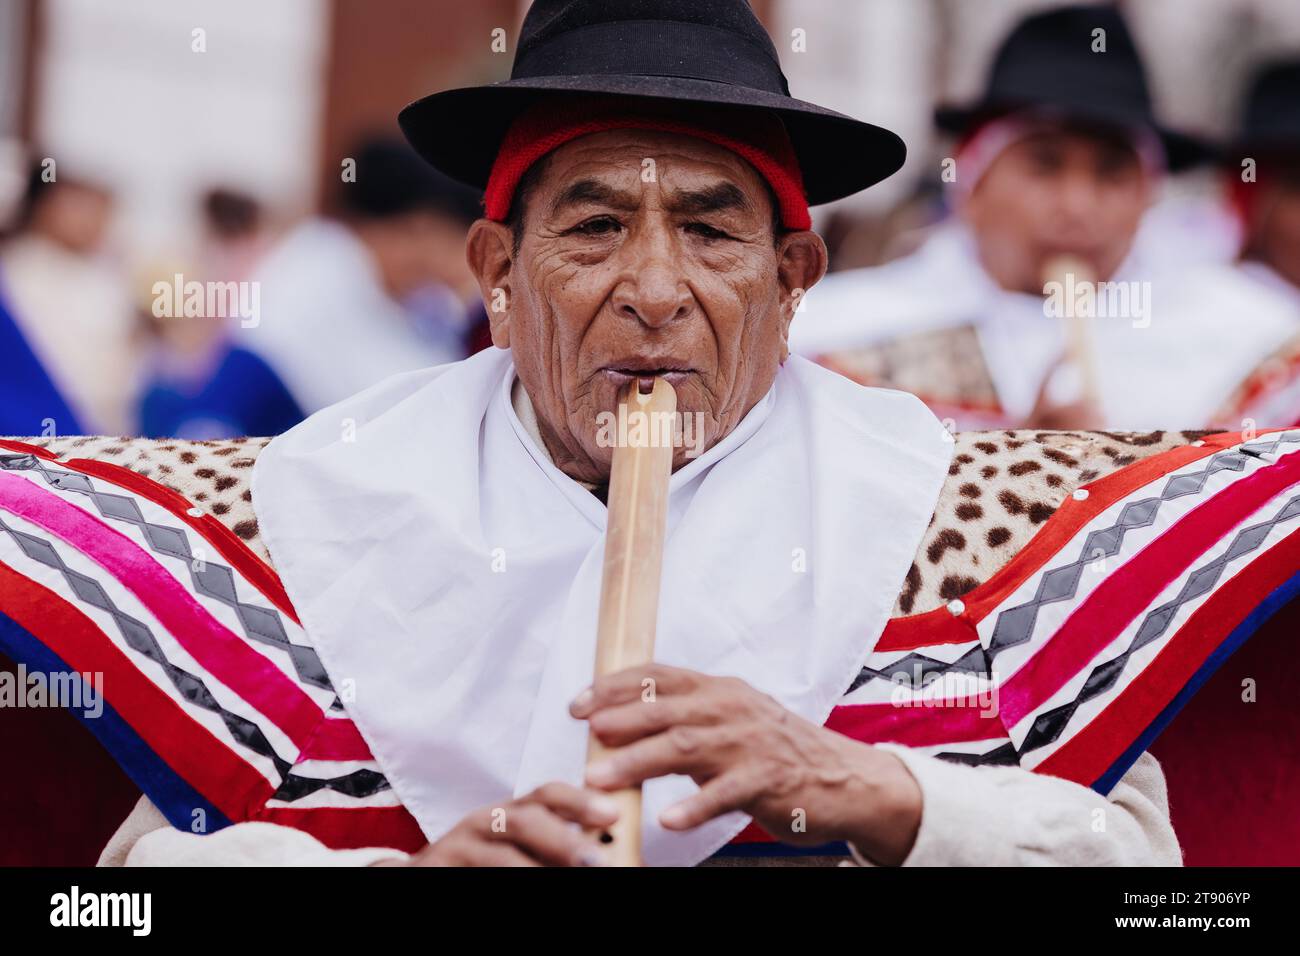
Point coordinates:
[(1251, 623), (175, 798), (782, 849)]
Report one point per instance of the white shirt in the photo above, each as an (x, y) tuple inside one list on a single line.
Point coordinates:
[(1185, 342), (326, 324)]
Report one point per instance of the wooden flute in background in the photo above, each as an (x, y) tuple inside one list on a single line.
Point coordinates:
[(1078, 335)]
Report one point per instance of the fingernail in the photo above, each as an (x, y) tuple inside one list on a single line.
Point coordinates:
[(601, 772), (605, 806), (591, 857), (583, 700)]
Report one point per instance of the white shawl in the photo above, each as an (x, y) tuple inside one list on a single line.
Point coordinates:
[(449, 573)]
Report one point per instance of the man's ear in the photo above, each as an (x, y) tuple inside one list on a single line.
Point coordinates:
[(488, 250), (801, 260)]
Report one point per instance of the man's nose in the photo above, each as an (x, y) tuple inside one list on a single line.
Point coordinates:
[(655, 291), (1079, 197)]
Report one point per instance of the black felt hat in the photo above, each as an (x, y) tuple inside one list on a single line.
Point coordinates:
[(1049, 61), (709, 52), (1271, 118)]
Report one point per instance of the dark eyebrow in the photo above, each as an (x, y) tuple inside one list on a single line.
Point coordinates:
[(716, 198), (591, 191)]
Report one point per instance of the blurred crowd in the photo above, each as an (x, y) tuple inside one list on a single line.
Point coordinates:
[(321, 308), (1061, 279), (1061, 179)]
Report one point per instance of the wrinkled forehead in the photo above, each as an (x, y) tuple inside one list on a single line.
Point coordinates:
[(643, 160)]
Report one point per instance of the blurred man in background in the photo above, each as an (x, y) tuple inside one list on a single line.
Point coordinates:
[(67, 304), (1056, 165), (30, 402), (382, 288), (1263, 170), (199, 383)]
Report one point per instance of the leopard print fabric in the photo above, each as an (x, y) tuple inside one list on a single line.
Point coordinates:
[(214, 475), (1001, 487)]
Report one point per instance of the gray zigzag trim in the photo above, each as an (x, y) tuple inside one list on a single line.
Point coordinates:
[(1049, 725), (139, 637), (215, 580), (916, 670), (1015, 626)]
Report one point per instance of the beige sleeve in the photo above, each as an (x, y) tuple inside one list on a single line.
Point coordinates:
[(145, 838), (1007, 816)]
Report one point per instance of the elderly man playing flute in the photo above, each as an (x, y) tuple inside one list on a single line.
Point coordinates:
[(647, 179)]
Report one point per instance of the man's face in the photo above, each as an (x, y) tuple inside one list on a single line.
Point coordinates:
[(643, 253), (1276, 239), (76, 216), (415, 249), (1057, 192)]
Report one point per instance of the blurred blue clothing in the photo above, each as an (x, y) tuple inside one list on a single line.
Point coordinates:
[(242, 396), (30, 403)]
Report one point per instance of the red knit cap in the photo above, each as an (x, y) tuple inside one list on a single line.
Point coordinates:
[(758, 138)]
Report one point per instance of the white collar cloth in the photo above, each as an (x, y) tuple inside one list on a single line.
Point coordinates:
[(449, 574)]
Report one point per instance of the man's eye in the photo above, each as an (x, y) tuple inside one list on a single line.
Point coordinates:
[(1116, 166), (600, 226), (705, 231)]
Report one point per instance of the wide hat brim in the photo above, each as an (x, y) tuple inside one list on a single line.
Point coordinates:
[(459, 131), (1182, 151)]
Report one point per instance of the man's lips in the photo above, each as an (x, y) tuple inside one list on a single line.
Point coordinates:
[(619, 375)]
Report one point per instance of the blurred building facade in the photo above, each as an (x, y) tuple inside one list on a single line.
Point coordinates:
[(162, 100)]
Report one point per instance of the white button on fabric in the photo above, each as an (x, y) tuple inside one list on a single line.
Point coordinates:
[(194, 513), (1080, 494), (956, 607)]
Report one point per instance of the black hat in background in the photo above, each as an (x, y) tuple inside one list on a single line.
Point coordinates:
[(712, 52), (1048, 61), (1271, 117), (392, 180)]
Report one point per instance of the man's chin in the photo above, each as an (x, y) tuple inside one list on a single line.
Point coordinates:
[(688, 432)]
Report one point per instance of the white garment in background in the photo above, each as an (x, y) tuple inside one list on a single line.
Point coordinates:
[(450, 572), (1271, 279), (75, 314), (326, 324), (1204, 330)]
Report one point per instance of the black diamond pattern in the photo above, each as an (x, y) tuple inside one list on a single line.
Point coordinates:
[(358, 783)]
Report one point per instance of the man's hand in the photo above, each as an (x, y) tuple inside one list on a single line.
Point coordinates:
[(534, 830), (804, 784), (1048, 415)]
